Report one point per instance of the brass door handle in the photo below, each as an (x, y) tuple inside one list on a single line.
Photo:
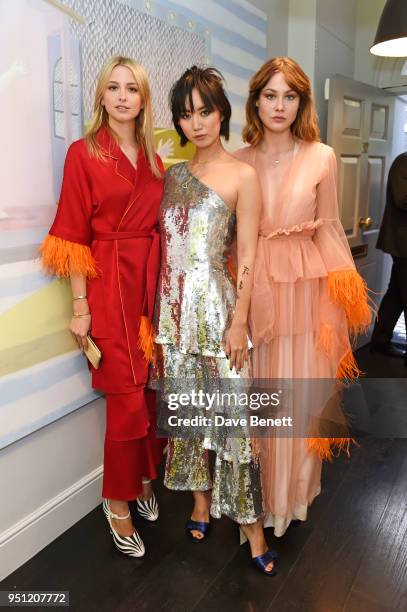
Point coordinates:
[(365, 223)]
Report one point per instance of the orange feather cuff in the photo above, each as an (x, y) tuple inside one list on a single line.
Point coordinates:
[(348, 289), (63, 257), (329, 448), (146, 341)]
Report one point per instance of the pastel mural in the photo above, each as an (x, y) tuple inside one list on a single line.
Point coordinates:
[(46, 90)]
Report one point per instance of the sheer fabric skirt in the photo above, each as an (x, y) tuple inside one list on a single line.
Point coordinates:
[(290, 471)]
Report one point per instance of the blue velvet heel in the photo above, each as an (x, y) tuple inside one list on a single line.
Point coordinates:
[(197, 526), (263, 560)]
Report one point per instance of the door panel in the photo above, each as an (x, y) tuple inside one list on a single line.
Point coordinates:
[(379, 121), (360, 125), (352, 117), (376, 189), (349, 179)]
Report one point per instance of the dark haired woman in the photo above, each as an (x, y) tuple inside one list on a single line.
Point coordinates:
[(307, 295), (200, 321), (104, 238)]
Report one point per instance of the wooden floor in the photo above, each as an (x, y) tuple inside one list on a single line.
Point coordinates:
[(350, 555)]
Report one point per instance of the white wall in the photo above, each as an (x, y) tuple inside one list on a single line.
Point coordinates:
[(49, 481), (321, 37), (335, 47), (277, 12), (302, 33), (367, 17)]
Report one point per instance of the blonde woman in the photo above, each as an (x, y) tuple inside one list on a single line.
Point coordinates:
[(104, 238)]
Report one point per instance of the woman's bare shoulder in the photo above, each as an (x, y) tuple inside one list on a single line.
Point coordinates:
[(240, 164), (244, 170), (244, 154)]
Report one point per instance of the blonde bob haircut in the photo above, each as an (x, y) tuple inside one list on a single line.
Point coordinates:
[(144, 121), (305, 126)]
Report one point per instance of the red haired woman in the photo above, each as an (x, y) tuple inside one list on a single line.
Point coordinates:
[(104, 239), (307, 295)]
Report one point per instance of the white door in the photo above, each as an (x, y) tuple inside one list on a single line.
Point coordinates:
[(360, 128)]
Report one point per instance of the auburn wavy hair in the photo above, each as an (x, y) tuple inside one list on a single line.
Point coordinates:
[(305, 126), (144, 121)]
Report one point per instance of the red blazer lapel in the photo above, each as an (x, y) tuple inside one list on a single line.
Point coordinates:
[(142, 175), (110, 147)]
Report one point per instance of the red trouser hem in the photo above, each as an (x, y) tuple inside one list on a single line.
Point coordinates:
[(131, 450)]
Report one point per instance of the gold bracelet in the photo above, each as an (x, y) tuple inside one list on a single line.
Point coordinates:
[(79, 316), (80, 297)]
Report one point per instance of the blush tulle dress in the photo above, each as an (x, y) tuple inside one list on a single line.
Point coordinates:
[(307, 299)]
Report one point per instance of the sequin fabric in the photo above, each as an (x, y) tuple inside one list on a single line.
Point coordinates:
[(194, 307), (196, 296)]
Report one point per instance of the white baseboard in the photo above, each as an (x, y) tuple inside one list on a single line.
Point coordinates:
[(28, 536)]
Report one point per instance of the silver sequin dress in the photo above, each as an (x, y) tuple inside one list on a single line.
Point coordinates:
[(194, 307)]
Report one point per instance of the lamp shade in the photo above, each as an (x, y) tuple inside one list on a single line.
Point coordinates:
[(391, 35)]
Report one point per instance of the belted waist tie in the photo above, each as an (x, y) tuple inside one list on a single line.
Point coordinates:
[(124, 235), (306, 233), (153, 261)]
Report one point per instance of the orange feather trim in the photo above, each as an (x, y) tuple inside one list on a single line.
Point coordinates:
[(347, 367), (348, 289), (63, 257), (145, 338), (329, 448)]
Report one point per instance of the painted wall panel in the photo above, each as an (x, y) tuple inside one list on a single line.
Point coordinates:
[(42, 376)]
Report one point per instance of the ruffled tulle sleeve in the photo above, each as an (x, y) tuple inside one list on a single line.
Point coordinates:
[(345, 285), (66, 249)]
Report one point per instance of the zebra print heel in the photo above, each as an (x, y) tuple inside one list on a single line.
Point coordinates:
[(128, 545), (148, 509)]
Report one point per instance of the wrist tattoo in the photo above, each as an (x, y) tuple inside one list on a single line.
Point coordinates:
[(245, 270)]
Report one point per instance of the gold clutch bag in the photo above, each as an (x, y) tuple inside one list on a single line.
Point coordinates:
[(93, 353)]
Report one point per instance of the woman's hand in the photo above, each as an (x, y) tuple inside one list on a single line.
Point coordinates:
[(236, 347), (79, 328), (80, 324)]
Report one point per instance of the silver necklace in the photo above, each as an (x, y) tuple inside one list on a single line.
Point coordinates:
[(276, 160)]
